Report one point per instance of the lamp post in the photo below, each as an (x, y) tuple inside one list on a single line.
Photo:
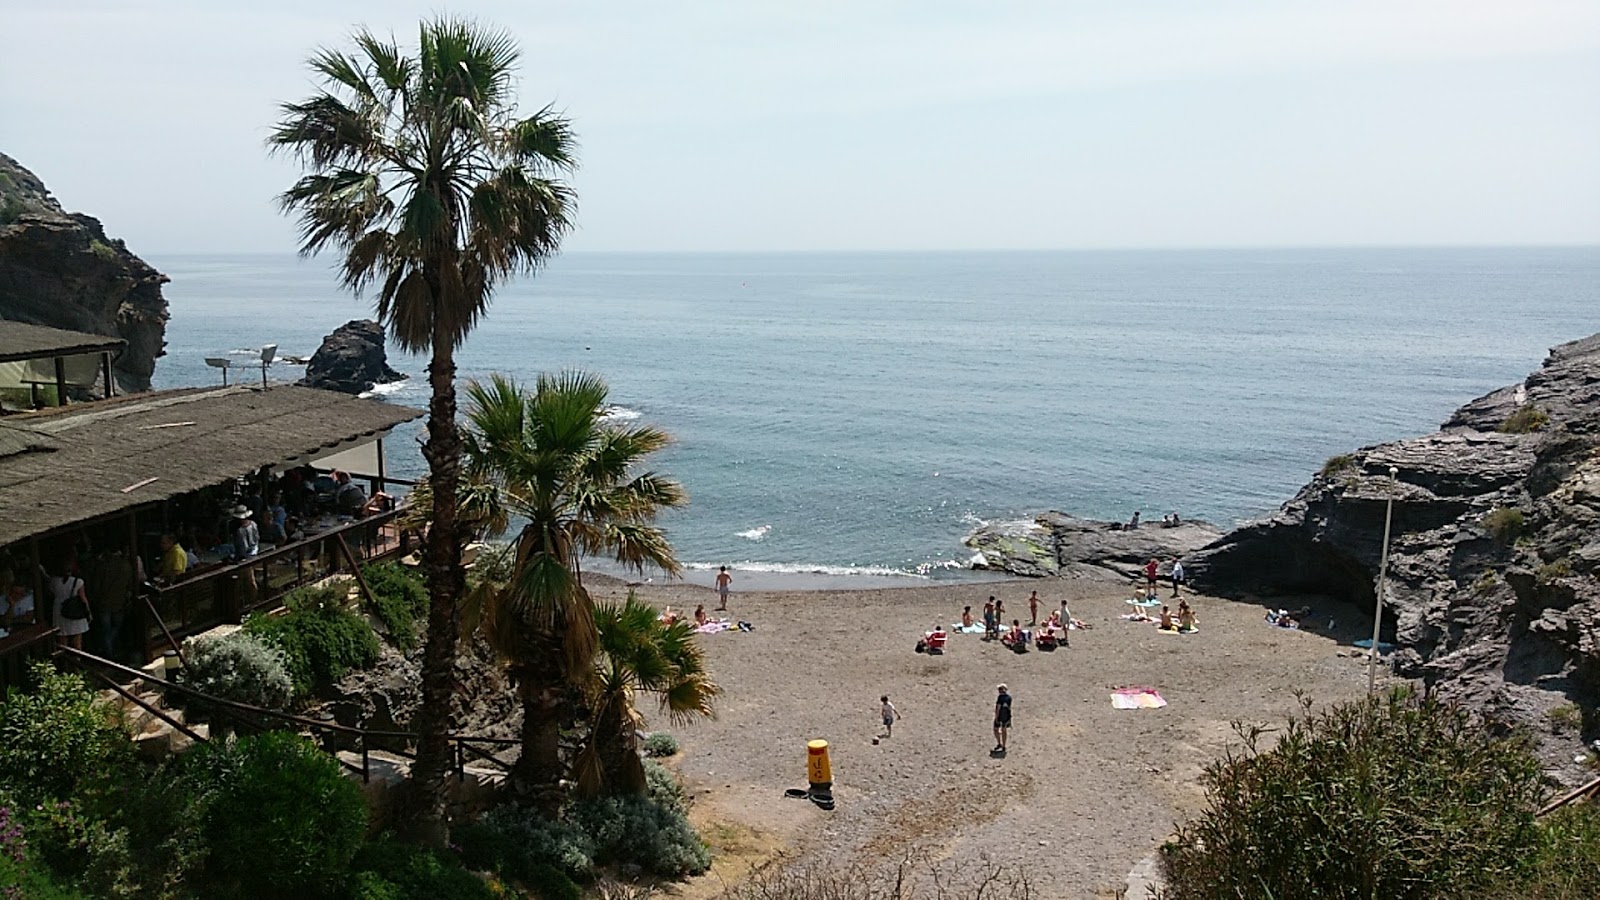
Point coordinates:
[(1383, 574)]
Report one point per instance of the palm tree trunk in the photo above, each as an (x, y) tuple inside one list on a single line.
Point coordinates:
[(446, 584), (536, 777)]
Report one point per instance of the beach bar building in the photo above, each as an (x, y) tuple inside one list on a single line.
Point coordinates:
[(34, 358), (112, 476)]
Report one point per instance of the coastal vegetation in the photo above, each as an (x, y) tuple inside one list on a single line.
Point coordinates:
[(550, 458), (1504, 524), (1398, 795), (1338, 465), (399, 600), (1525, 420), (422, 174), (320, 637)]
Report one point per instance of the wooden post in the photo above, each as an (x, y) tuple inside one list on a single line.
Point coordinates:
[(39, 604), (355, 568), (105, 369), (61, 381), (380, 484)]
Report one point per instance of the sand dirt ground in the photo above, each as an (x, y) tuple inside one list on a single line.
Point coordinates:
[(1085, 793)]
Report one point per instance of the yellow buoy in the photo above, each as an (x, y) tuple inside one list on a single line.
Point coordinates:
[(818, 770)]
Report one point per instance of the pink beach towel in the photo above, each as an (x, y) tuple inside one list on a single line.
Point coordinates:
[(1137, 698)]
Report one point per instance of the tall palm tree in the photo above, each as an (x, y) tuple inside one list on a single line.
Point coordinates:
[(420, 172), (552, 459), (638, 653)]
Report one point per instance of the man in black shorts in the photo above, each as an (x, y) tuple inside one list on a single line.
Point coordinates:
[(1002, 719)]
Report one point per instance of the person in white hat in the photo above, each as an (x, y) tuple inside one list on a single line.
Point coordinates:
[(246, 535)]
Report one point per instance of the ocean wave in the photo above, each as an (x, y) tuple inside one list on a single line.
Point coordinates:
[(809, 569), (387, 388), (754, 534), (620, 413)]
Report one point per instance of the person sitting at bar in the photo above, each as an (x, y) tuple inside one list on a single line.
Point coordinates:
[(246, 534), (174, 559), (348, 498), (18, 602), (379, 503), (272, 526)]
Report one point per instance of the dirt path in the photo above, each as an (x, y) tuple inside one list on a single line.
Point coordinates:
[(1086, 790)]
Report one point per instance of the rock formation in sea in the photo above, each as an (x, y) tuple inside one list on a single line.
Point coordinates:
[(1056, 544), (352, 359), (60, 269), (1492, 590)]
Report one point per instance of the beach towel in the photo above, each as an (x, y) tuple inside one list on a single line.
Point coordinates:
[(714, 627), (1366, 644), (1137, 698), (959, 629)]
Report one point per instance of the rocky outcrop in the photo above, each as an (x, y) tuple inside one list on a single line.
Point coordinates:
[(60, 269), (1056, 544), (352, 359), (1492, 592)]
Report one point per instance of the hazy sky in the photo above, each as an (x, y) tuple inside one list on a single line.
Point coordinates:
[(879, 125)]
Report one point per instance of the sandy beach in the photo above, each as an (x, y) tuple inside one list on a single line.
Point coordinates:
[(1086, 792)]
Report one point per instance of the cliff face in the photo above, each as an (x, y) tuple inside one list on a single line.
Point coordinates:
[(60, 269), (1493, 595)]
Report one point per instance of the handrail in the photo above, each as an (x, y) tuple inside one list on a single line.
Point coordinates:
[(281, 550), (160, 714), (235, 705), (176, 647)]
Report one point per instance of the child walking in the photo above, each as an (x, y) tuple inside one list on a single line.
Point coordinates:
[(889, 715)]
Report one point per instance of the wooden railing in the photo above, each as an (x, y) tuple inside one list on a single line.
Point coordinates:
[(25, 645), (228, 593), (256, 719)]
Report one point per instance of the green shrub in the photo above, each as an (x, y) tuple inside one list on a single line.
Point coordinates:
[(83, 851), (21, 876), (241, 667), (634, 830), (1566, 717), (320, 637), (280, 819), (389, 870), (523, 845), (1551, 572), (660, 744), (1504, 524), (1526, 419), (1394, 796), (1566, 864), (1338, 465), (399, 600), (58, 736), (663, 786)]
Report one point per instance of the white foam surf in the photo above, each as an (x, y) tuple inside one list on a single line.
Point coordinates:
[(754, 534)]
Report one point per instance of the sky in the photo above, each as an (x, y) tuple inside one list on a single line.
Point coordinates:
[(914, 125)]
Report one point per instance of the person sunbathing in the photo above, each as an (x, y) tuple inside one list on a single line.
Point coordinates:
[(700, 617), (1186, 617), (1016, 637), (1166, 619), (668, 616), (966, 617)]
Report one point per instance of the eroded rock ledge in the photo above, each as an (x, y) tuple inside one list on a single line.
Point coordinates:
[(1057, 544)]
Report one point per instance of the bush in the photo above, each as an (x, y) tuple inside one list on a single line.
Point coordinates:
[(526, 846), (83, 851), (20, 876), (1551, 572), (240, 667), (660, 744), (1567, 859), (1526, 419), (1504, 524), (1395, 796), (1338, 465), (389, 870), (280, 819), (57, 737), (664, 787), (399, 600), (320, 637), (634, 830)]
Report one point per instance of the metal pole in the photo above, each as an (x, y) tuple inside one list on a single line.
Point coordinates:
[(1383, 574)]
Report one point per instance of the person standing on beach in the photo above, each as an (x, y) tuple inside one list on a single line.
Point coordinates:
[(1033, 608), (723, 582), (1150, 575), (1177, 575), (1002, 719), (991, 622), (890, 714)]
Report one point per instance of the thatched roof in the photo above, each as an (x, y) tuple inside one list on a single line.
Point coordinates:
[(125, 452), (21, 341)]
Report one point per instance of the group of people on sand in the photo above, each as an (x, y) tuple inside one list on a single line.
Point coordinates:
[(1051, 631), (1183, 620)]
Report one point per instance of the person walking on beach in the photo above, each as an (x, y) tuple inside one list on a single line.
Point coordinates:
[(1033, 608), (991, 622), (723, 581), (1002, 719), (890, 714), (1177, 576)]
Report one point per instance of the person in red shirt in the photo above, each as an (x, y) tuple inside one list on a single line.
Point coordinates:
[(1150, 573)]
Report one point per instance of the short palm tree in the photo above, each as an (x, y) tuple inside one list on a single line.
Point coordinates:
[(421, 173), (638, 653), (551, 459)]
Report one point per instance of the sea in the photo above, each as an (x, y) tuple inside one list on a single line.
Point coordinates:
[(848, 418)]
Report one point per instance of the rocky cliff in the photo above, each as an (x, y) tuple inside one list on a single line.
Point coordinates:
[(60, 269), (1492, 590), (352, 359)]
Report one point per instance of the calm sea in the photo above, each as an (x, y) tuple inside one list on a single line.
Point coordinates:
[(858, 414)]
